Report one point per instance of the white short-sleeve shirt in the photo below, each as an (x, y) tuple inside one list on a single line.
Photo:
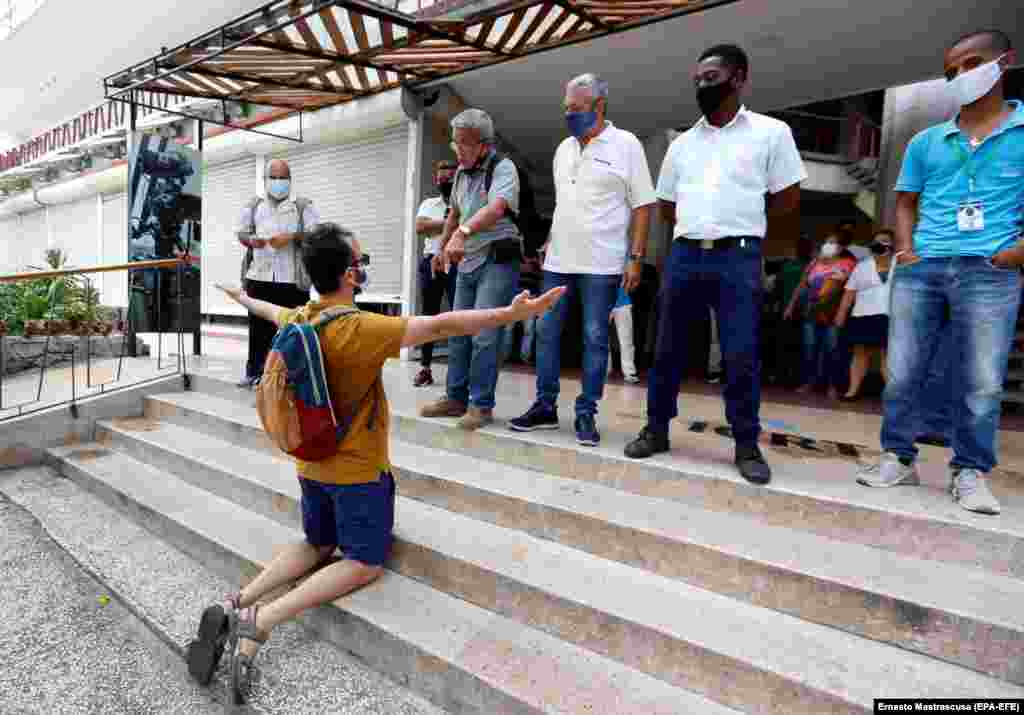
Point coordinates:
[(872, 291), (434, 209), (718, 176), (596, 189), (275, 265)]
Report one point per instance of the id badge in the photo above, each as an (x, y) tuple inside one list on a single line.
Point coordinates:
[(971, 216)]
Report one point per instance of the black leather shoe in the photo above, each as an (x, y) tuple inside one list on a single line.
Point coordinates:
[(752, 466), (647, 444)]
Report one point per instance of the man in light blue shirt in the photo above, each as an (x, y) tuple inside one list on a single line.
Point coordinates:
[(959, 251)]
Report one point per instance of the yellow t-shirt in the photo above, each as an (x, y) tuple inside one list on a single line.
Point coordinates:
[(355, 349)]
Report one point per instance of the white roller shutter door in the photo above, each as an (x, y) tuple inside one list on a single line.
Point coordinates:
[(114, 286), (361, 186), (34, 237), (226, 188), (74, 229), (12, 253)]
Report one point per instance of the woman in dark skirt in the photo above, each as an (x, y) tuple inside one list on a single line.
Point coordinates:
[(867, 293)]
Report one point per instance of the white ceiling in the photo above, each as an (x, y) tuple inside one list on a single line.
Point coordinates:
[(78, 43), (800, 50)]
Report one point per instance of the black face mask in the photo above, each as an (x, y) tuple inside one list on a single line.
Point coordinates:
[(710, 98), (879, 249), (446, 190)]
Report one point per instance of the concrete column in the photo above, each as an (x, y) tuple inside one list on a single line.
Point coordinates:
[(908, 110)]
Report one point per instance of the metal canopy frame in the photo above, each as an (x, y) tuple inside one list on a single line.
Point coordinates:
[(303, 55)]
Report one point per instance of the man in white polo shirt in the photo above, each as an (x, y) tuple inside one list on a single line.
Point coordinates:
[(713, 188), (603, 199)]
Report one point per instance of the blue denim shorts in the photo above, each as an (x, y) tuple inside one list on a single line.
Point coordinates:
[(358, 518)]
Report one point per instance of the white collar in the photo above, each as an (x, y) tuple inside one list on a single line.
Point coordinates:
[(704, 123)]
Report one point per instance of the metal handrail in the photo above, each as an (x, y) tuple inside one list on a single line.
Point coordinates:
[(37, 275), (179, 367)]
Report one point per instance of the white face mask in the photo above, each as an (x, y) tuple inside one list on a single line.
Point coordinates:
[(830, 250), (968, 87)]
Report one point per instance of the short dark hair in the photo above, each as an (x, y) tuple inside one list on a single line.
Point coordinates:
[(732, 56), (327, 254), (997, 40)]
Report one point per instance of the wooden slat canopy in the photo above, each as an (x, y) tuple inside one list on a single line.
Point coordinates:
[(309, 54)]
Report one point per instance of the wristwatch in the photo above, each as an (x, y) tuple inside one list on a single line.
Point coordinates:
[(464, 228)]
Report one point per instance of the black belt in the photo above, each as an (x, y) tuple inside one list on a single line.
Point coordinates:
[(721, 244)]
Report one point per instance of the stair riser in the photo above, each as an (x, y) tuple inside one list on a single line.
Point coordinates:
[(991, 649), (951, 543), (218, 558), (282, 508), (242, 435), (447, 685), (670, 659), (728, 680)]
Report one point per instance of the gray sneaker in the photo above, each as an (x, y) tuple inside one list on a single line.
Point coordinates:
[(970, 490), (888, 472)]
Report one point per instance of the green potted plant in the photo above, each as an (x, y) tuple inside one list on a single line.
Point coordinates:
[(77, 318), (104, 323)]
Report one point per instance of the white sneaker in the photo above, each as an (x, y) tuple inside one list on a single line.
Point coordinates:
[(888, 472), (970, 490), (632, 379)]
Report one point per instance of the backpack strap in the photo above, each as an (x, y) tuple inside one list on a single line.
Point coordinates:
[(252, 204), (302, 279), (492, 164), (331, 314), (321, 322), (301, 205)]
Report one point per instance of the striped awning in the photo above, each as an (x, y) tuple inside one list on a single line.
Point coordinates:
[(307, 55)]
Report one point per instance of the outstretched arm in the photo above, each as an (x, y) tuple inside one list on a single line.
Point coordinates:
[(259, 308), (470, 322)]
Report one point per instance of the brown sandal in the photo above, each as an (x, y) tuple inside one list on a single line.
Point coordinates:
[(243, 671)]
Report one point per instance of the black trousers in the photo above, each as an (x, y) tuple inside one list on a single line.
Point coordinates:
[(261, 332), (434, 289)]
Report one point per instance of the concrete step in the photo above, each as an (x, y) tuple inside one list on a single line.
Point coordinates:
[(745, 656), (859, 589), (819, 496), (461, 656)]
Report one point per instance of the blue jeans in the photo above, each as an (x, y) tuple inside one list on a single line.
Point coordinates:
[(978, 303), (821, 355), (729, 281), (473, 361), (597, 294), (525, 347), (936, 407)]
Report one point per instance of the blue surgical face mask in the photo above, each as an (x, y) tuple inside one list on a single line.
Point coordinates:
[(279, 188), (580, 123)]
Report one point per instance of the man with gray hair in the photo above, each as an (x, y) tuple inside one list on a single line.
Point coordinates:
[(603, 200), (482, 243)]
